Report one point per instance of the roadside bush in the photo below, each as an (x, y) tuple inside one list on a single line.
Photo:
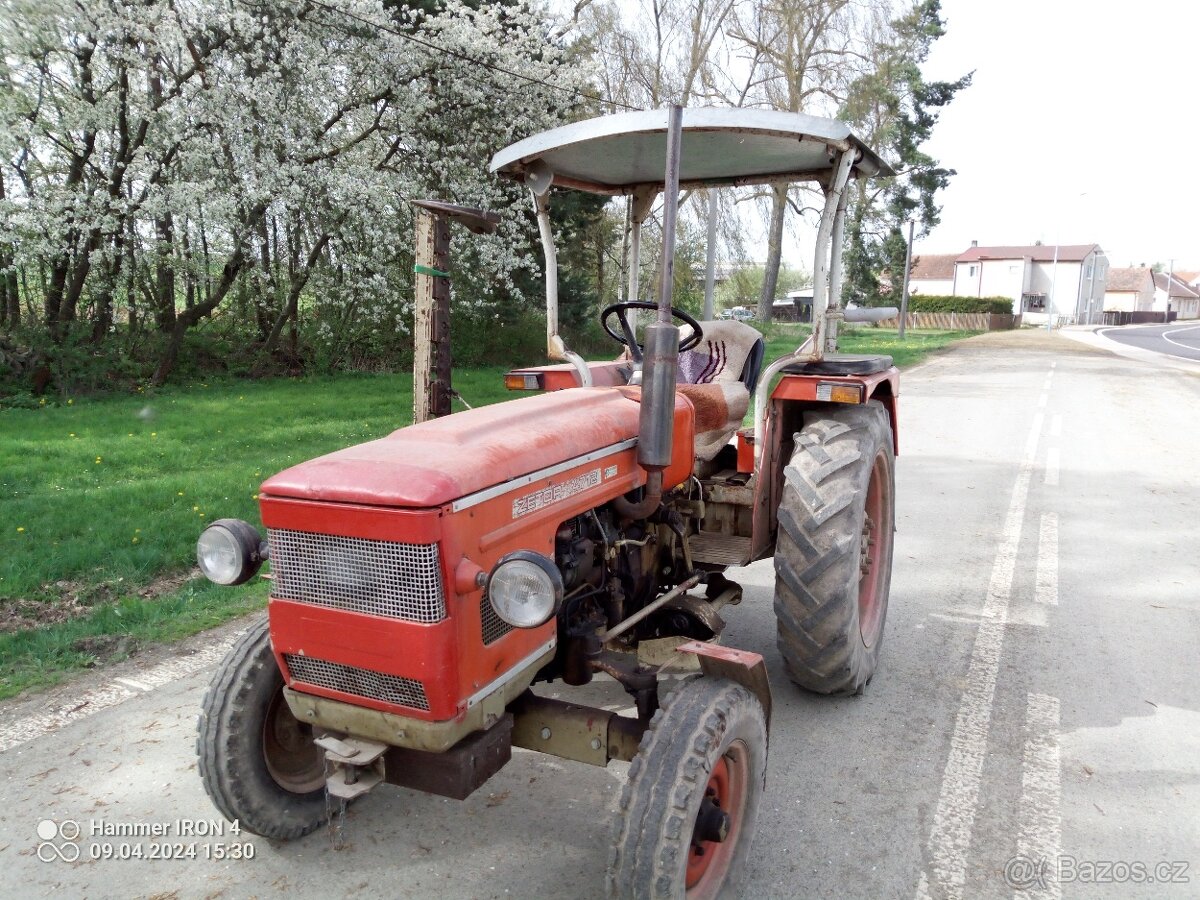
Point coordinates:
[(1000, 306)]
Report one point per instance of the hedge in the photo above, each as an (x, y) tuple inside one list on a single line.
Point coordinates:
[(996, 305)]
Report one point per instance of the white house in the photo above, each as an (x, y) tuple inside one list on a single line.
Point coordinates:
[(1065, 282), (1129, 290), (1184, 299), (932, 274)]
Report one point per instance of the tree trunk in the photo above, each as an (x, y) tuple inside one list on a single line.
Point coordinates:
[(5, 281), (14, 299), (164, 273), (291, 306), (189, 317), (766, 300)]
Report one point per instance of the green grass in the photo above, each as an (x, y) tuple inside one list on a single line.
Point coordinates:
[(783, 337), (104, 498)]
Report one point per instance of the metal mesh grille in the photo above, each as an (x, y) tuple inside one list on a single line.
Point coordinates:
[(494, 627), (381, 578), (360, 682)]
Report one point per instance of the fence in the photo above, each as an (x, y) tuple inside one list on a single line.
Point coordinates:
[(1143, 317), (956, 321)]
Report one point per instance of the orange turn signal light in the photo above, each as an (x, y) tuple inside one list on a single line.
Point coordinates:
[(516, 381), (839, 392)]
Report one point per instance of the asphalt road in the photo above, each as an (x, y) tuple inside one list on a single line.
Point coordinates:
[(1179, 339), (1036, 701)]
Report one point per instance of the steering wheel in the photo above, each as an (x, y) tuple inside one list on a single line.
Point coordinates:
[(626, 335)]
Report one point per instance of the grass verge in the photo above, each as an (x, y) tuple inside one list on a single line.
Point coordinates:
[(104, 498)]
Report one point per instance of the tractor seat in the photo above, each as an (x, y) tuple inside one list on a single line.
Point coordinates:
[(719, 376), (842, 364)]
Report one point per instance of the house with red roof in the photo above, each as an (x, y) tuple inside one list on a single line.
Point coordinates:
[(1129, 289), (1063, 282), (932, 274), (1173, 294)]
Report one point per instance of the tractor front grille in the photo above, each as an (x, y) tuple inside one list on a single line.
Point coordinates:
[(360, 682), (494, 627), (380, 578)]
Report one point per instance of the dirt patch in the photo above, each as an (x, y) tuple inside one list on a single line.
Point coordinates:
[(105, 647), (1034, 339), (22, 615), (63, 601)]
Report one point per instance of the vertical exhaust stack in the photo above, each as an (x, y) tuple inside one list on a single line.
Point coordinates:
[(661, 356)]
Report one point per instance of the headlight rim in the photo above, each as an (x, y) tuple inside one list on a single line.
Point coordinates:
[(547, 566), (250, 545)]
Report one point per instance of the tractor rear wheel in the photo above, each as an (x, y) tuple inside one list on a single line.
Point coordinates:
[(833, 554), (258, 762), (688, 811)]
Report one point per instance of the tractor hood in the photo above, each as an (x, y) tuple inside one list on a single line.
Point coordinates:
[(439, 461)]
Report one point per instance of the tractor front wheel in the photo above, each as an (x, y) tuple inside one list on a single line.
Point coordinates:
[(688, 811), (258, 762), (833, 554)]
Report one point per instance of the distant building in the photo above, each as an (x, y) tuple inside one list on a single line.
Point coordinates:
[(1184, 299), (932, 274), (1065, 282), (1129, 290), (796, 307)]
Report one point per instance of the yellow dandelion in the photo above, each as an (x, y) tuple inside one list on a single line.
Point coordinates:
[(195, 509), (154, 434), (135, 540), (72, 434), (254, 496), (137, 531), (97, 460), (20, 528), (69, 401), (180, 493)]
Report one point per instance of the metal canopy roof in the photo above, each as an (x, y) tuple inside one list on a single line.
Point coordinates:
[(616, 154)]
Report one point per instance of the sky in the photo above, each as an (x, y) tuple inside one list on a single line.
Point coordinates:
[(1082, 125)]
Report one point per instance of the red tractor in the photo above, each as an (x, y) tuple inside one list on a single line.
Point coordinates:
[(423, 583)]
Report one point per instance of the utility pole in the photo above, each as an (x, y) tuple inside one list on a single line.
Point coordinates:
[(907, 270), (431, 301), (1170, 275), (1053, 287), (710, 271)]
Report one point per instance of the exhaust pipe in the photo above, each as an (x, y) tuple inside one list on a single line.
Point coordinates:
[(656, 423)]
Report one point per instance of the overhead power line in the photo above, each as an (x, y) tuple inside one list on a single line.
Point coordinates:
[(465, 57)]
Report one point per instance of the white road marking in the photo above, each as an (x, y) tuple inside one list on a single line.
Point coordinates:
[(1052, 464), (1056, 425), (954, 819), (1046, 585), (1039, 838), (90, 702), (136, 685), (1166, 336)]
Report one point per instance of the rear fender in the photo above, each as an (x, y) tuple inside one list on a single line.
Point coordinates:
[(794, 396)]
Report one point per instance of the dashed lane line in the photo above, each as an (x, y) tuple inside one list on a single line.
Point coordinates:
[(1040, 835), (1046, 580), (1053, 461)]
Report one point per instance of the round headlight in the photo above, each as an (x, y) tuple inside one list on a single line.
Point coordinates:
[(525, 589), (229, 551)]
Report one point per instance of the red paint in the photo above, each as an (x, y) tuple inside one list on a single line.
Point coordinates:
[(561, 377), (439, 461), (354, 493), (883, 386)]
